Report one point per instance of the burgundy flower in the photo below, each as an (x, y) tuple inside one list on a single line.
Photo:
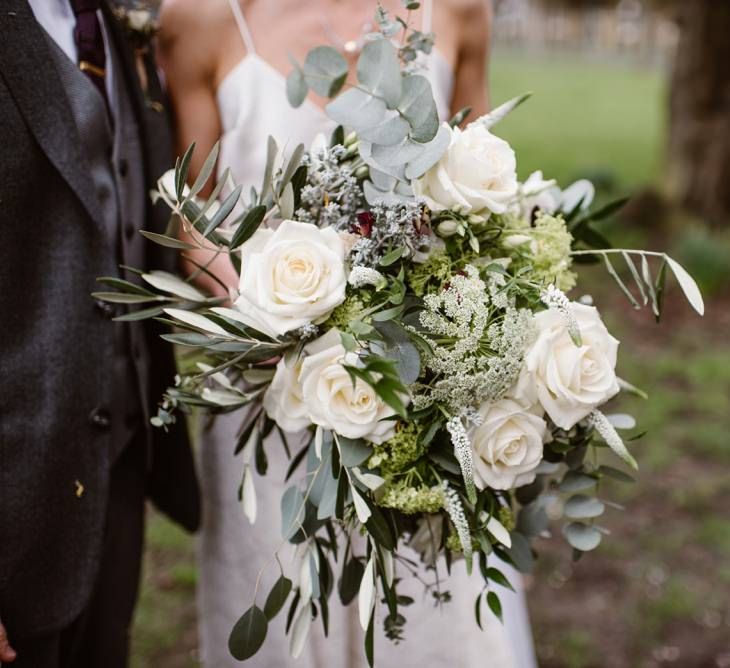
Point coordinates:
[(365, 220)]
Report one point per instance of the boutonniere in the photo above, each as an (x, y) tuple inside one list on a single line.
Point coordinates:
[(141, 26)]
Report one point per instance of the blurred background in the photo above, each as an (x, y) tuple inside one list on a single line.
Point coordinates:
[(634, 95)]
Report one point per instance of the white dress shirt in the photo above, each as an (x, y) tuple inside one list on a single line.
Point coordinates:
[(57, 19)]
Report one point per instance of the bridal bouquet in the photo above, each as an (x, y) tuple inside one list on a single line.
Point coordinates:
[(402, 307)]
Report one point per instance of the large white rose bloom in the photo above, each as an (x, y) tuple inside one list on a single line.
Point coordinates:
[(283, 401), (331, 399), (290, 277), (476, 173), (507, 445), (569, 381)]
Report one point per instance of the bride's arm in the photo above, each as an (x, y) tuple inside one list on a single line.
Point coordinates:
[(472, 54), (187, 61)]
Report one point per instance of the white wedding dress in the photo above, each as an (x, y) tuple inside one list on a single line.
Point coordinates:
[(252, 105)]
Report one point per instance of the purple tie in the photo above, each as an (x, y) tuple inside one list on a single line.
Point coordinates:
[(90, 42)]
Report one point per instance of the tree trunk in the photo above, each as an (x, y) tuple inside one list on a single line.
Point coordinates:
[(699, 119)]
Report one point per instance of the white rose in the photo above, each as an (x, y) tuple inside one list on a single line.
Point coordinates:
[(290, 277), (569, 381), (507, 446), (331, 399), (283, 400), (476, 173)]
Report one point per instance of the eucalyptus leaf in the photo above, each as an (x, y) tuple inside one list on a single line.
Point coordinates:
[(581, 536), (366, 595), (494, 604), (356, 109), (582, 506), (296, 87), (378, 70), (325, 70), (277, 597), (300, 629), (574, 481), (248, 634), (350, 581), (391, 131), (353, 452), (430, 154), (418, 107), (292, 512), (399, 347)]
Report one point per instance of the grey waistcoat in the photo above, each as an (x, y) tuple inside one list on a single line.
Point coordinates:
[(113, 150)]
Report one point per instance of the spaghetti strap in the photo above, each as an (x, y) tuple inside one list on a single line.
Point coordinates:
[(427, 16), (242, 26)]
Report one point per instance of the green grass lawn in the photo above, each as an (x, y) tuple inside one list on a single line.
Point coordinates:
[(595, 118), (653, 592)]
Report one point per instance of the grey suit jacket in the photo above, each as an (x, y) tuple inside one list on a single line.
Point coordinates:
[(55, 340)]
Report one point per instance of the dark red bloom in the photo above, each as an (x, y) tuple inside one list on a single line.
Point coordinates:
[(365, 220)]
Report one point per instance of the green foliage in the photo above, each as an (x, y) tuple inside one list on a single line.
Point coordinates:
[(395, 455)]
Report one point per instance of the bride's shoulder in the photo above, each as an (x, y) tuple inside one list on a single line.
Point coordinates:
[(466, 10), (180, 18)]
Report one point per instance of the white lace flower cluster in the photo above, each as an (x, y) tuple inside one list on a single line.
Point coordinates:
[(478, 340)]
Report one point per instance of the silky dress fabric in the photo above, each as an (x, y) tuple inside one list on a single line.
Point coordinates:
[(252, 105)]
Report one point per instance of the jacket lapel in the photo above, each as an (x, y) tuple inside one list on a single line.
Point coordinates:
[(151, 112), (26, 64)]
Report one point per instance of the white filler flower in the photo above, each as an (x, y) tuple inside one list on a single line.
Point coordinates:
[(569, 380), (290, 277), (507, 445), (331, 399), (477, 173)]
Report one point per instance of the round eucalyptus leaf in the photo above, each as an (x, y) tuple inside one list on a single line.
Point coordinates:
[(378, 70), (387, 197), (418, 107), (398, 154), (248, 634), (582, 506), (573, 481), (389, 132), (582, 536), (430, 154), (357, 109), (296, 87), (325, 70), (292, 512)]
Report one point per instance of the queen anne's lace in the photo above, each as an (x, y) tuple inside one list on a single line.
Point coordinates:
[(478, 339), (360, 276)]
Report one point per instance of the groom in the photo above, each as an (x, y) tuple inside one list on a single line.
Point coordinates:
[(83, 136)]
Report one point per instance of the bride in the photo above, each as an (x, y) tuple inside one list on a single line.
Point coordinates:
[(225, 67)]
